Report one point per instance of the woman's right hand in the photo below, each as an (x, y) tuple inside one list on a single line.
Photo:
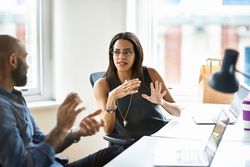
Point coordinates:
[(127, 88)]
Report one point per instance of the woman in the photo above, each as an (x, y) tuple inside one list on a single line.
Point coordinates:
[(129, 94)]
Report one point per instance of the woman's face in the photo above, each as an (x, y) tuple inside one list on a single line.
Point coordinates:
[(123, 55)]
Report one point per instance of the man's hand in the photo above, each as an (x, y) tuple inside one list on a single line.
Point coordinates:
[(66, 116), (89, 125), (68, 111)]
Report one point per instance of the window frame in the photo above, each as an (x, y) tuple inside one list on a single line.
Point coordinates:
[(145, 30), (43, 92)]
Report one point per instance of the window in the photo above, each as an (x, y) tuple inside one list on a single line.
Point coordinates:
[(179, 36), (25, 20)]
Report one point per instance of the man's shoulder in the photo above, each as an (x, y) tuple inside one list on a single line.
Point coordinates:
[(4, 101), (6, 112), (7, 107)]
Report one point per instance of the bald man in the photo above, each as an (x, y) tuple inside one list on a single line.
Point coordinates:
[(21, 141)]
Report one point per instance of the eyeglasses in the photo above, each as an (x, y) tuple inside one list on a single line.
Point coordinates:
[(126, 53)]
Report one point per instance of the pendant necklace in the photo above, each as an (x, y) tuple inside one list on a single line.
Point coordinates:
[(125, 122)]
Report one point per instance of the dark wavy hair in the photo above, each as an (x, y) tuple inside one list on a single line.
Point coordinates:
[(137, 69)]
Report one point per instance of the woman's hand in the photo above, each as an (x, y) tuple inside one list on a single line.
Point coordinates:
[(157, 95), (127, 88)]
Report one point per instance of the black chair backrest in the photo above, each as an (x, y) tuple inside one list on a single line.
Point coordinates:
[(95, 76)]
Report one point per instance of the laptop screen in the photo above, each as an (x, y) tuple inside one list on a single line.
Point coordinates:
[(236, 106), (216, 135)]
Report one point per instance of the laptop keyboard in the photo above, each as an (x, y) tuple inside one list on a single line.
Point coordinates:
[(190, 156)]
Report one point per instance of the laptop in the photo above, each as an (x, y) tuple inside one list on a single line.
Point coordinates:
[(194, 156), (209, 117)]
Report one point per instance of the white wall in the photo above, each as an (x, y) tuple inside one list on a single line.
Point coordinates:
[(82, 32)]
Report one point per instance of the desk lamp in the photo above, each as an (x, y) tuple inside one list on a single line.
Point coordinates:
[(224, 80)]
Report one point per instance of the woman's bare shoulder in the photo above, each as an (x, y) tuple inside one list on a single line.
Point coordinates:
[(153, 73), (101, 83)]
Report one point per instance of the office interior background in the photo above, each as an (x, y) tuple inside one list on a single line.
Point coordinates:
[(68, 40)]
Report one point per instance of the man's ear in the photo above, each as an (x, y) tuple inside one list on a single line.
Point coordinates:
[(13, 60)]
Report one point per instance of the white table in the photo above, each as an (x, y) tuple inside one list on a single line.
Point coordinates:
[(184, 127), (234, 149), (141, 154)]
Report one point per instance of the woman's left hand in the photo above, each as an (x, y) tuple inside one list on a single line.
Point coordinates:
[(156, 94)]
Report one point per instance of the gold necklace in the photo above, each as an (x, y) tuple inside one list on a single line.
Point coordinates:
[(125, 122)]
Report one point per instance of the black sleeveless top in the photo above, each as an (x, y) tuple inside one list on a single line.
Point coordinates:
[(143, 117)]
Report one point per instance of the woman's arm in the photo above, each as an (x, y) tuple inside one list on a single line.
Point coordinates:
[(167, 101), (107, 100)]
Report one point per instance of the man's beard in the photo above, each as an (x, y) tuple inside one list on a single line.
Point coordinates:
[(19, 74)]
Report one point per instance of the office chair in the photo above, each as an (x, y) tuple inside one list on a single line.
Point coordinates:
[(62, 160), (114, 138)]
